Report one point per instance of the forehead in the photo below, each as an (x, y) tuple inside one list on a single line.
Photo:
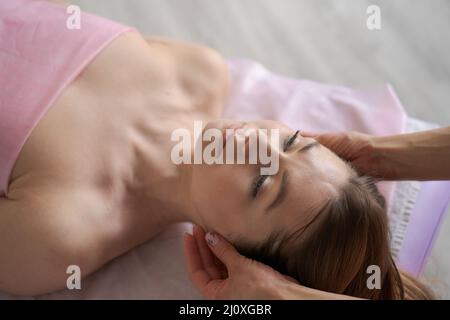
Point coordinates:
[(312, 183), (319, 164)]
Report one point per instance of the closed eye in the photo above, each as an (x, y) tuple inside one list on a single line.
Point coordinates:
[(257, 184), (259, 181), (291, 140)]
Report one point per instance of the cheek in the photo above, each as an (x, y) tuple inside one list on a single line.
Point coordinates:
[(217, 195), (209, 188), (222, 185)]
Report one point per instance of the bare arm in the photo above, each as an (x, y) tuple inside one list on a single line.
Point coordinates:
[(416, 156), (28, 263), (41, 234)]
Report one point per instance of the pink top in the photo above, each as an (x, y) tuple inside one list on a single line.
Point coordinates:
[(39, 57)]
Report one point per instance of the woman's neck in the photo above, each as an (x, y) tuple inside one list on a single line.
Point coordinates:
[(160, 190)]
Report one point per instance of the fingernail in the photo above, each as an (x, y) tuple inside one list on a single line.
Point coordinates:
[(212, 239)]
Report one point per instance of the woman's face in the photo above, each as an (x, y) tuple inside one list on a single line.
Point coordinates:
[(225, 194)]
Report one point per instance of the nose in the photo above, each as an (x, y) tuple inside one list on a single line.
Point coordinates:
[(287, 154), (267, 140), (271, 142), (248, 137)]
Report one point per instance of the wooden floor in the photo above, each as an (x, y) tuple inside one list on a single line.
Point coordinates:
[(324, 40)]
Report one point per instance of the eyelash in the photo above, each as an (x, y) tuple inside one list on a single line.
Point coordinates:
[(260, 180), (291, 140)]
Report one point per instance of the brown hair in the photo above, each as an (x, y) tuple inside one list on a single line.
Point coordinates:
[(352, 234)]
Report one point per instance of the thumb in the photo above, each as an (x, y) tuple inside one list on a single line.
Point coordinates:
[(222, 249), (320, 137), (309, 134)]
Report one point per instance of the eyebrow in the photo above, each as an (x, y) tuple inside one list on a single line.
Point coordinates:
[(309, 146), (283, 186)]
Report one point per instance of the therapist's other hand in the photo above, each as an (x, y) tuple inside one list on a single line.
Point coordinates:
[(423, 155), (220, 272), (356, 148)]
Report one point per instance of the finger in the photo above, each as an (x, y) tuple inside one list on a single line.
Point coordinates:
[(222, 268), (208, 287), (223, 250), (196, 271), (207, 256), (322, 138), (309, 134), (289, 278)]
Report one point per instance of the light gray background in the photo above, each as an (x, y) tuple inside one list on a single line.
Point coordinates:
[(323, 40)]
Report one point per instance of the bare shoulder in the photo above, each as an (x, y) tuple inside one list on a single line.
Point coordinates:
[(203, 72)]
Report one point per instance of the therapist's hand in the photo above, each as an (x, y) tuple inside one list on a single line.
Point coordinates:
[(423, 155), (220, 272), (357, 148)]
